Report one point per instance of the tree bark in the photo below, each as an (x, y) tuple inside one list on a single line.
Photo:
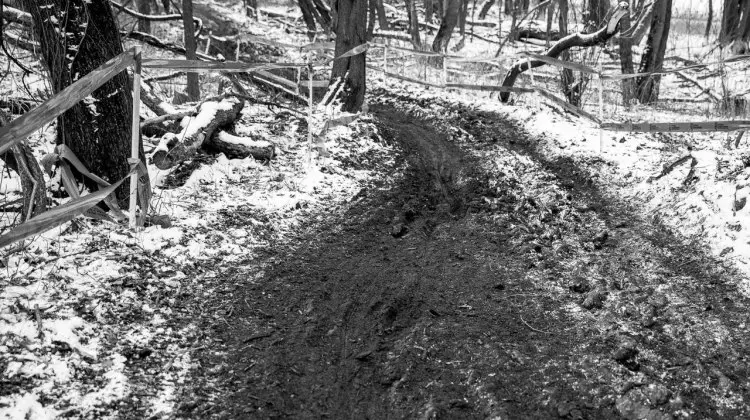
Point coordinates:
[(193, 89), (597, 9), (411, 11), (212, 115), (144, 7), (710, 19), (730, 20), (486, 9), (20, 159), (574, 40), (567, 78), (450, 19), (647, 87), (382, 18), (76, 37), (626, 60), (350, 25)]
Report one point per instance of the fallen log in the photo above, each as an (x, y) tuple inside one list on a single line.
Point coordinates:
[(155, 103), (235, 147), (212, 115), (704, 90), (156, 18), (573, 40), (537, 34)]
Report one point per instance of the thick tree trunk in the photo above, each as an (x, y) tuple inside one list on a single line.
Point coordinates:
[(730, 20), (382, 18), (76, 37), (193, 89), (450, 19), (626, 60), (647, 88), (411, 10), (597, 10), (350, 25), (574, 40), (645, 17)]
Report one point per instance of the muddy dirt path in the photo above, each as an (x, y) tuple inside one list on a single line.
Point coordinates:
[(488, 283)]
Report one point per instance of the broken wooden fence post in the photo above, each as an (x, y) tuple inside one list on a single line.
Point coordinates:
[(135, 136)]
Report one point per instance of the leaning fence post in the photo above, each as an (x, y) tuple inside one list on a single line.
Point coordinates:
[(445, 70), (385, 62), (135, 135), (601, 107)]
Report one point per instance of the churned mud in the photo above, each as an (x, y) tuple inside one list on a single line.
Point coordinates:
[(482, 281)]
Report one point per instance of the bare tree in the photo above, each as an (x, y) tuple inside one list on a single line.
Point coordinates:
[(450, 19), (647, 87), (76, 37), (193, 89), (350, 26), (710, 18), (626, 59)]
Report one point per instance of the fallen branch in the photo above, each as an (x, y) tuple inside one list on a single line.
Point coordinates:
[(212, 115), (157, 18), (704, 90), (235, 147), (573, 40)]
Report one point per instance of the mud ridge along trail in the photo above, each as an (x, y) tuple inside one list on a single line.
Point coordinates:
[(486, 283)]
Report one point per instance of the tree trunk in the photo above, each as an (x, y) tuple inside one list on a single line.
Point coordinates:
[(411, 10), (464, 11), (647, 88), (710, 19), (350, 25), (20, 159), (730, 20), (626, 60), (308, 16), (450, 19), (597, 10), (193, 89), (144, 7), (550, 18), (382, 18), (76, 37), (644, 23), (486, 9), (510, 6), (567, 78)]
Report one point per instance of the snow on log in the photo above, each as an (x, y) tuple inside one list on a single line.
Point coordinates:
[(212, 115), (235, 147)]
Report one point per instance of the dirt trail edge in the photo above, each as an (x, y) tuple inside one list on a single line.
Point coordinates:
[(487, 283)]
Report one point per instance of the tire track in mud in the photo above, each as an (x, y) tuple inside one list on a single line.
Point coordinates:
[(473, 311)]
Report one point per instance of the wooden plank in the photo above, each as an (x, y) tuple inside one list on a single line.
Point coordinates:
[(203, 66), (679, 127), (488, 88), (22, 127)]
